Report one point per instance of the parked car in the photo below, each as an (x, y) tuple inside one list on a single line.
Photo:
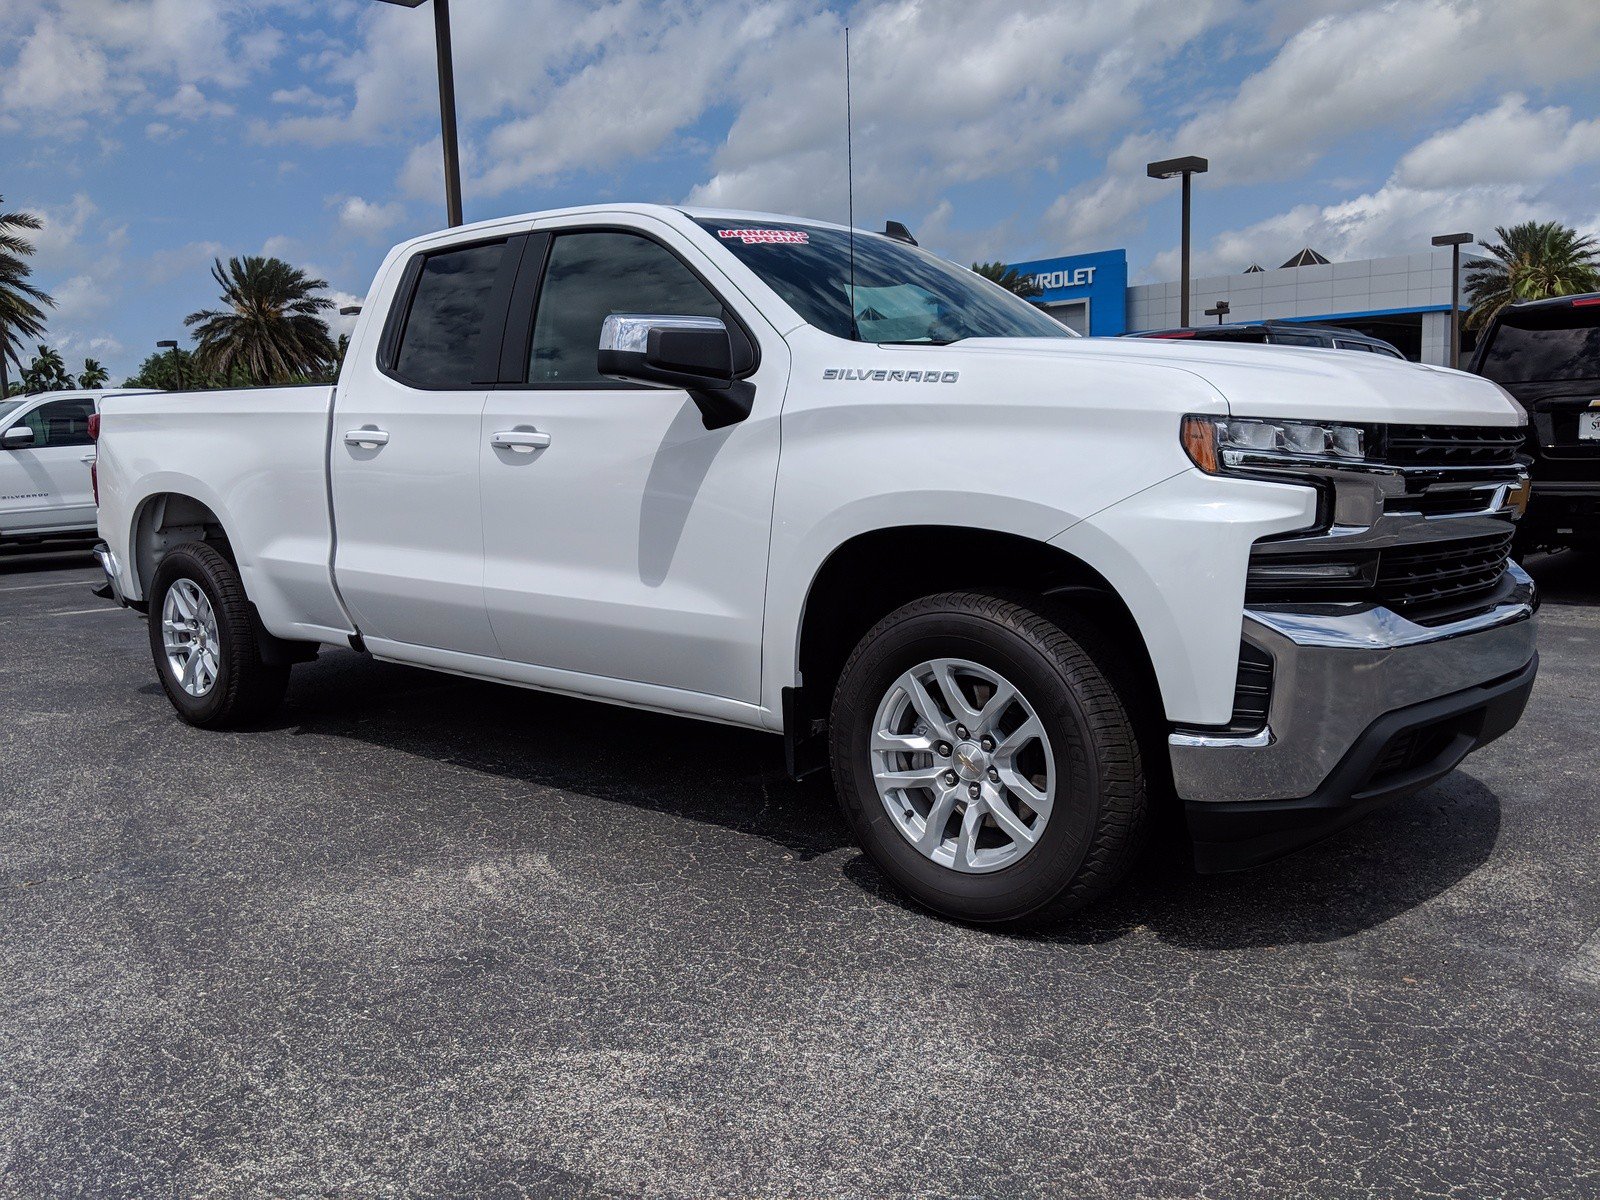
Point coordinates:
[(1279, 333), (45, 457), (1546, 353), (1014, 586)]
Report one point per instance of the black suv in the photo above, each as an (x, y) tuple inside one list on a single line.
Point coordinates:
[(1546, 353), (1279, 333)]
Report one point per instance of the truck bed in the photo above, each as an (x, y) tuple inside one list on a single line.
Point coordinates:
[(257, 457)]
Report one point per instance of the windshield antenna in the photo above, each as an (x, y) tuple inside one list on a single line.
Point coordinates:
[(850, 184)]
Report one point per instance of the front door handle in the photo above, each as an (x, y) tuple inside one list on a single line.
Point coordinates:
[(523, 441), (367, 439)]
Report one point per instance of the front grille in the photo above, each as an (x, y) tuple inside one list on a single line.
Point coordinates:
[(1428, 582), (1436, 574), (1445, 446)]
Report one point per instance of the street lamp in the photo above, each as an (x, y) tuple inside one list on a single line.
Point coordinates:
[(447, 104), (177, 362), (1221, 310), (1455, 241), (1186, 167)]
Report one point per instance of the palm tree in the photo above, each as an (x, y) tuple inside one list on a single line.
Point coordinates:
[(270, 331), (1007, 277), (1532, 261), (46, 373), (93, 375), (20, 313)]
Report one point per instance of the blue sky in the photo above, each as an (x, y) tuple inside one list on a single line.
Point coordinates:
[(152, 135)]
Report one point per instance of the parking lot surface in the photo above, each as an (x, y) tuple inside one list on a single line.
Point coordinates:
[(425, 936)]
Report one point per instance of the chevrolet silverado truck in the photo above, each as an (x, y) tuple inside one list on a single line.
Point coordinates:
[(1546, 354), (1020, 590)]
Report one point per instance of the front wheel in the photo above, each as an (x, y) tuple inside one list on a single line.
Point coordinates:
[(203, 637), (985, 760)]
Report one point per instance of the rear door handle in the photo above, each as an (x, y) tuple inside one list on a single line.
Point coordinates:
[(367, 439), (523, 441)]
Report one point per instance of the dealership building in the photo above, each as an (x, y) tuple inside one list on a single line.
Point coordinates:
[(1404, 300)]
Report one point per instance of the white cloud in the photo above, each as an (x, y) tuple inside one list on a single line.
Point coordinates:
[(1510, 143), (1393, 219), (189, 103), (1347, 72), (366, 219), (76, 59)]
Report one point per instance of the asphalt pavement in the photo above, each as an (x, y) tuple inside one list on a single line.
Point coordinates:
[(423, 936)]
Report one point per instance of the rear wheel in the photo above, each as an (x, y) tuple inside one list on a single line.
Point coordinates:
[(985, 760), (203, 638)]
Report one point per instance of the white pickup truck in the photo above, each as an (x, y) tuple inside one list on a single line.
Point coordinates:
[(1021, 590)]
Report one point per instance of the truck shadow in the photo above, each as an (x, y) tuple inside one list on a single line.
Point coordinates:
[(1364, 876)]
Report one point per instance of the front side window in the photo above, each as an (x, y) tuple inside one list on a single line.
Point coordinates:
[(589, 277), (61, 423), (444, 328), (892, 292)]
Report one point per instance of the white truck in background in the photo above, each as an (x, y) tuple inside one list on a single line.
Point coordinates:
[(1019, 589), (46, 461)]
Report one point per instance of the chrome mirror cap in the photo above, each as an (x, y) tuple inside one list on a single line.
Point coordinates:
[(629, 333)]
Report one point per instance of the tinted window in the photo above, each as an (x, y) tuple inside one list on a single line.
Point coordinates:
[(7, 407), (1344, 345), (445, 327), (900, 293), (589, 277), (60, 423), (1561, 343)]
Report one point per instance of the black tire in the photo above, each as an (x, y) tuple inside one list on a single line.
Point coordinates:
[(1098, 823), (246, 688)]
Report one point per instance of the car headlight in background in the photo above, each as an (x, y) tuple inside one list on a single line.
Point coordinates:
[(1219, 445)]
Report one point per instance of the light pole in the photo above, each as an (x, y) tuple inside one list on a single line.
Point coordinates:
[(1165, 169), (1455, 241), (447, 104), (177, 361), (1221, 310)]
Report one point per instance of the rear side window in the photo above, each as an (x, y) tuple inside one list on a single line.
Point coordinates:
[(589, 277), (444, 328), (1362, 346), (1298, 339), (60, 423), (1550, 344)]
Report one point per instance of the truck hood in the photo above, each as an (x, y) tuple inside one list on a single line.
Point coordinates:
[(1280, 381)]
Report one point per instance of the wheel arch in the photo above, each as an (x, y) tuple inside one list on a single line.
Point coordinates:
[(871, 574), (168, 518)]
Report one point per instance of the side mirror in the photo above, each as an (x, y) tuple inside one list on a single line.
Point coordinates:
[(18, 437), (693, 353)]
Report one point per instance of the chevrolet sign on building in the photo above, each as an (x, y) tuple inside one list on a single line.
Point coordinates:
[(1086, 292)]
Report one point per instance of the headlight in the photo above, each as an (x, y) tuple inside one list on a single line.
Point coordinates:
[(1219, 445)]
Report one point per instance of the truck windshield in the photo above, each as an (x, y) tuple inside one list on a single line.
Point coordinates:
[(902, 294), (1544, 344)]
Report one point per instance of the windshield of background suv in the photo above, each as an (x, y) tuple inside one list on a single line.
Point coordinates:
[(7, 407), (1554, 343), (902, 294)]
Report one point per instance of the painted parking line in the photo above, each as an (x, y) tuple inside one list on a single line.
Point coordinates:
[(83, 612), (39, 587)]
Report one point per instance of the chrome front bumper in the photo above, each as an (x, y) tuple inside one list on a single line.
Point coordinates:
[(1335, 675)]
